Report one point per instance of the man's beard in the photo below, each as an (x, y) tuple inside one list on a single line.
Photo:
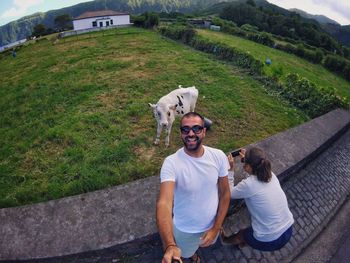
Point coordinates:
[(192, 147)]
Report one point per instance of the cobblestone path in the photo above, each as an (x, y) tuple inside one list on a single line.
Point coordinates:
[(314, 194)]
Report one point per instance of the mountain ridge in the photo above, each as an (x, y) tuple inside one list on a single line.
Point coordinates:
[(322, 19)]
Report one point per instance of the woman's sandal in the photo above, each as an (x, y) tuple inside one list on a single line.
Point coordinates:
[(224, 243), (223, 237), (197, 259)]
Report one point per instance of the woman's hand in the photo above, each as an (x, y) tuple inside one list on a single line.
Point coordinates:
[(242, 153), (231, 161)]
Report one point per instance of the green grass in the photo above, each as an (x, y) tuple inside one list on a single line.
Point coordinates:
[(284, 63), (75, 115)]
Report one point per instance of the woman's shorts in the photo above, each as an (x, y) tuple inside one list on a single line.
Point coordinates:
[(267, 246)]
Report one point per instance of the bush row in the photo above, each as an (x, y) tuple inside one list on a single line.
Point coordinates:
[(188, 36), (306, 96), (298, 48), (313, 55), (298, 91), (310, 55), (338, 65)]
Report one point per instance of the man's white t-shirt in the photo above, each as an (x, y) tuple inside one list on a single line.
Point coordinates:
[(267, 205), (196, 196)]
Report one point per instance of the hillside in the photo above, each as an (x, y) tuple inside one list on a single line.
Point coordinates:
[(75, 114), (276, 20), (284, 63), (22, 28), (339, 32), (319, 18)]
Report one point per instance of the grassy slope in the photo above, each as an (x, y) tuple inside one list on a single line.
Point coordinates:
[(284, 62), (75, 116)]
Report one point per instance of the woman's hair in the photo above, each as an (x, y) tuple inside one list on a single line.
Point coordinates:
[(261, 166)]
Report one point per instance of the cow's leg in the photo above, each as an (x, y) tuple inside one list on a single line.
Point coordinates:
[(168, 131), (192, 106), (159, 131)]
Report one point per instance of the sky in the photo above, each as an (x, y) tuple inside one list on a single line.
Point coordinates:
[(11, 10), (338, 10)]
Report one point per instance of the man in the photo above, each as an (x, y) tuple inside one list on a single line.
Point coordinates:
[(194, 181)]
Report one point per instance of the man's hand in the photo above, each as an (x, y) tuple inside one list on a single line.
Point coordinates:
[(172, 252), (209, 237)]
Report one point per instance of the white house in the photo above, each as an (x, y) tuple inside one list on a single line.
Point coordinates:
[(97, 19)]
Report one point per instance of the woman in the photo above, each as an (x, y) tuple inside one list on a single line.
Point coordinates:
[(271, 218)]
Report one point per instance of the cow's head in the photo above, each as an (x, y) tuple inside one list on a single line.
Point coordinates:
[(163, 113)]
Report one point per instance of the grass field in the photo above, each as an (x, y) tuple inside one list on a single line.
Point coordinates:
[(284, 63), (75, 116)]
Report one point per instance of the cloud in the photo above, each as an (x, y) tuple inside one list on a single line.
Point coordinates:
[(20, 8), (341, 7)]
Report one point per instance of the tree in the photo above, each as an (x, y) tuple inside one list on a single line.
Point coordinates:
[(39, 30), (152, 20), (251, 2), (147, 20), (63, 22)]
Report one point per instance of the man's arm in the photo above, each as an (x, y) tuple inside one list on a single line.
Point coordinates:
[(165, 221), (224, 202)]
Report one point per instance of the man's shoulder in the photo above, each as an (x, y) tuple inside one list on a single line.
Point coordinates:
[(175, 155), (214, 150)]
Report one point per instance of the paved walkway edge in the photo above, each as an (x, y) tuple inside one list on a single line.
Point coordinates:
[(118, 215), (314, 234)]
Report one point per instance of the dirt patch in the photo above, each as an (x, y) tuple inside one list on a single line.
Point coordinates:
[(145, 153)]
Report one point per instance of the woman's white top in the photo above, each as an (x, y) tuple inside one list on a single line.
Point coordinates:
[(267, 205)]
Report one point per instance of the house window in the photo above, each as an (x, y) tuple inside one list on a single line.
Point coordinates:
[(94, 24), (107, 23), (111, 21), (101, 24)]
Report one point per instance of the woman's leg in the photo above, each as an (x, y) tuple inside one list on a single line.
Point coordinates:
[(236, 239)]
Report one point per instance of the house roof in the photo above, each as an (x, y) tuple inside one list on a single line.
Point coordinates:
[(99, 13)]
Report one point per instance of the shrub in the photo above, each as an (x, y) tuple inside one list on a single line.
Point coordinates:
[(146, 20), (305, 95), (188, 36), (139, 21), (261, 38), (224, 52), (338, 65), (334, 63), (178, 32)]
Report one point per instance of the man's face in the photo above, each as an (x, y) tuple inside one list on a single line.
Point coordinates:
[(192, 133)]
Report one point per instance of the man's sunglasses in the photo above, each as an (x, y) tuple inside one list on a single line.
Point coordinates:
[(197, 129)]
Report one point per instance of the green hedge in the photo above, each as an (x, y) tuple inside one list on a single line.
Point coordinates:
[(188, 36), (338, 65), (298, 91), (306, 96)]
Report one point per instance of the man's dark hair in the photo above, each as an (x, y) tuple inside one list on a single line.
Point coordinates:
[(192, 114)]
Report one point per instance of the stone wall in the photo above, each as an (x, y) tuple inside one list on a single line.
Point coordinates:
[(120, 214)]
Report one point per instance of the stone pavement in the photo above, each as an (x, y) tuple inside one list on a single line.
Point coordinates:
[(314, 195)]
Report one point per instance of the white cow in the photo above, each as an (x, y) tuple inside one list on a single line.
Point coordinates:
[(176, 103)]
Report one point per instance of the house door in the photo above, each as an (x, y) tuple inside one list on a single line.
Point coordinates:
[(101, 24), (107, 23)]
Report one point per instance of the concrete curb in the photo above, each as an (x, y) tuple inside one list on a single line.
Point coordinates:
[(118, 215)]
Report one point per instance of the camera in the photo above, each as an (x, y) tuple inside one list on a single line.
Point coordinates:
[(235, 153)]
